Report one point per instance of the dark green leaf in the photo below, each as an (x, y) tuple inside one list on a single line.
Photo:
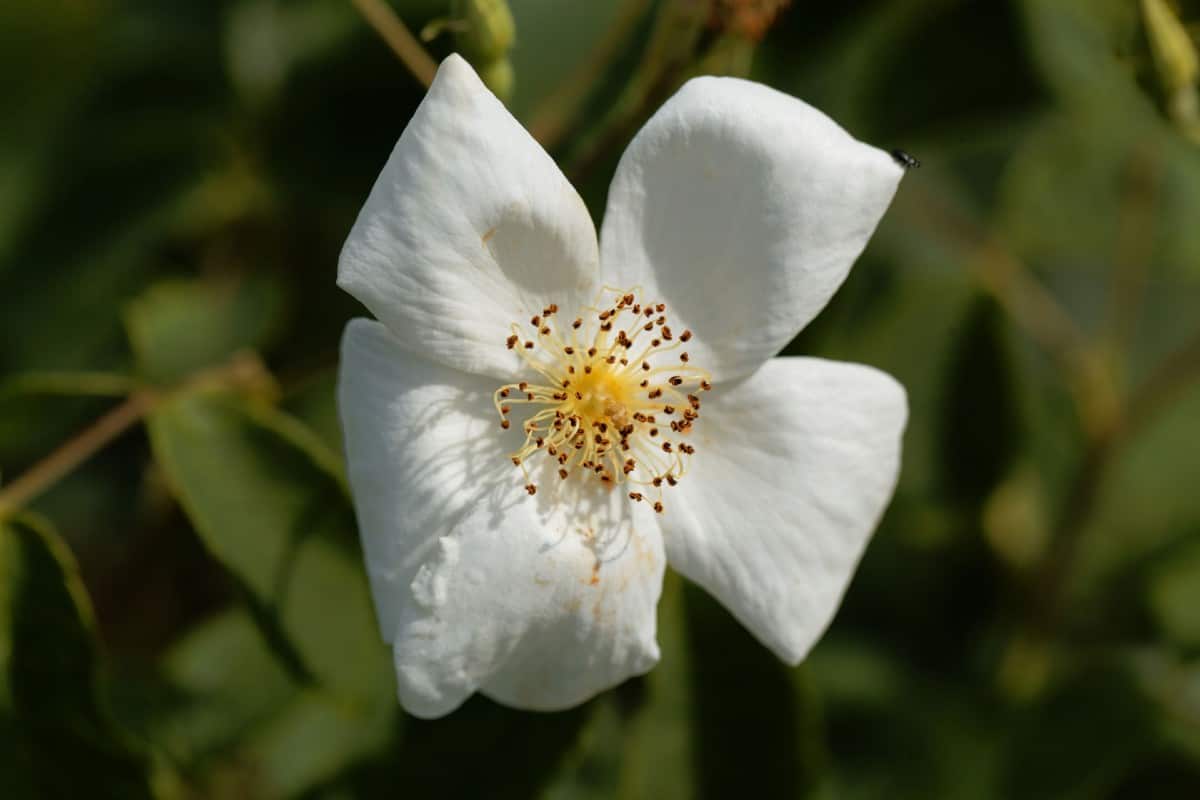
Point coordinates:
[(268, 502), (73, 747), (178, 327)]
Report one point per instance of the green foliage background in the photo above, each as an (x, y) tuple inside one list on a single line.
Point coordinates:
[(184, 613)]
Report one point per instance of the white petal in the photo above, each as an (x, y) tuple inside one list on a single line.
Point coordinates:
[(793, 468), (539, 602), (469, 228), (742, 208)]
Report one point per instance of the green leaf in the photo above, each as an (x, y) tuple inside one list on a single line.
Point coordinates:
[(177, 327), (73, 747), (268, 502), (223, 680), (727, 662), (1175, 596), (313, 741)]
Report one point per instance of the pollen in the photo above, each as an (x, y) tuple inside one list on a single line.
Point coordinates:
[(621, 375)]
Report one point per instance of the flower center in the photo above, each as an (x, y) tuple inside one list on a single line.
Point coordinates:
[(616, 398)]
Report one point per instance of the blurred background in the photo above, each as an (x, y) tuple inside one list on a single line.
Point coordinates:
[(183, 610)]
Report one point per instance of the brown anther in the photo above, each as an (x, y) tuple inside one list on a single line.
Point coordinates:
[(655, 342), (649, 326), (505, 424), (685, 336), (545, 330), (571, 370), (610, 360), (654, 431), (606, 326), (627, 300), (505, 409), (666, 333), (529, 395), (666, 446), (658, 507), (687, 448), (536, 321), (705, 386), (576, 324), (531, 488), (523, 385), (591, 352), (661, 307), (649, 312), (683, 357), (635, 496), (644, 384), (693, 400), (578, 396), (516, 461), (504, 392), (562, 473), (675, 380), (671, 479), (539, 442), (637, 309), (512, 341), (657, 480), (655, 394), (587, 370), (529, 345), (646, 366), (605, 315), (660, 321), (569, 350), (668, 410)]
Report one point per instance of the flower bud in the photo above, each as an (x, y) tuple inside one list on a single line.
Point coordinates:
[(487, 32)]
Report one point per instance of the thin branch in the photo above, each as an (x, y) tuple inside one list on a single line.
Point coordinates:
[(244, 369), (66, 458), (380, 16), (84, 384), (553, 116)]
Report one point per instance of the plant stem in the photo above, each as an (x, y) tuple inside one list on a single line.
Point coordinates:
[(380, 16), (66, 458), (244, 369)]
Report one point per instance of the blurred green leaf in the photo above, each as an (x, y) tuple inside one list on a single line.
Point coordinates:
[(268, 502), (223, 679), (1082, 738), (738, 687), (178, 327), (1175, 597), (73, 747), (316, 738)]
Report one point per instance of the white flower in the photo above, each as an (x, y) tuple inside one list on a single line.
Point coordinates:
[(737, 208)]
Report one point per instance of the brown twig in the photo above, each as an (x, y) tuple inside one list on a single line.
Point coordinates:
[(380, 16), (243, 369), (70, 455)]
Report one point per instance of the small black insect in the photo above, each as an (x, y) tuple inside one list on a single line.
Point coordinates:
[(904, 159)]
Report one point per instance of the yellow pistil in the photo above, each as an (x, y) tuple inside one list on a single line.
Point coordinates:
[(616, 398)]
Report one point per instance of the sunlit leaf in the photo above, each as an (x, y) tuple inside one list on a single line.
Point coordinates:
[(266, 499)]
